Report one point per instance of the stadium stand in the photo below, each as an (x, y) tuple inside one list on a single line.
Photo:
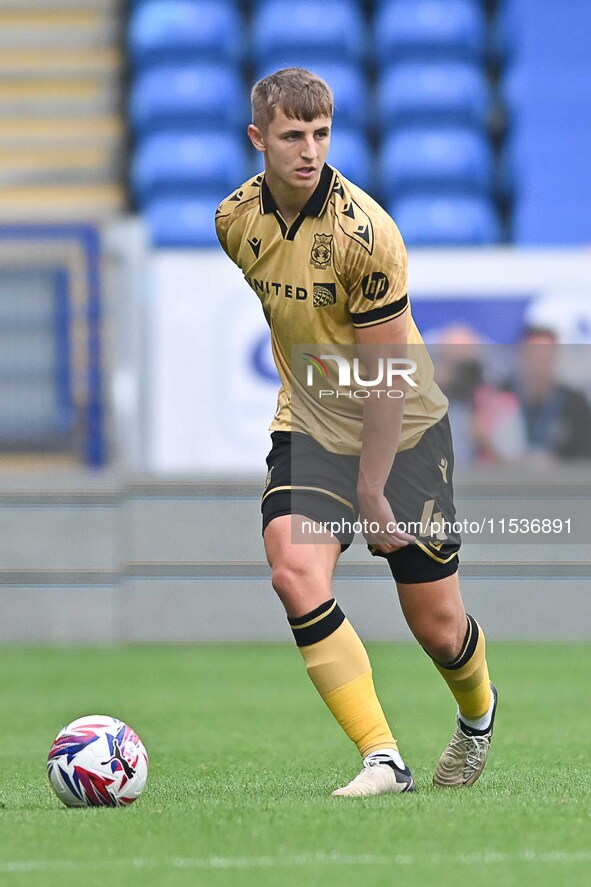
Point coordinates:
[(186, 98), (161, 30), (504, 33), (547, 91), (62, 136), (450, 91), (333, 29), (348, 81), (429, 72), (430, 28), (350, 153), (186, 94), (177, 162), (442, 220), (183, 221), (443, 157), (62, 174)]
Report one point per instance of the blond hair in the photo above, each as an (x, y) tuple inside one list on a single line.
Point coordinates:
[(300, 94)]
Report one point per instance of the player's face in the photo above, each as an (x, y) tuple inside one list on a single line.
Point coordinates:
[(295, 151)]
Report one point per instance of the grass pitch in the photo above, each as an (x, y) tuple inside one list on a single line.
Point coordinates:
[(244, 756)]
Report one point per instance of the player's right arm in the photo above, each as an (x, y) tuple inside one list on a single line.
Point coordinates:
[(232, 216), (224, 220)]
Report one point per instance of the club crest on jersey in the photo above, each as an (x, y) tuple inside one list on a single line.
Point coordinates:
[(324, 294), (321, 254)]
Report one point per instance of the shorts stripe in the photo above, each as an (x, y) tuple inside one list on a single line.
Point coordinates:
[(311, 490), (440, 560)]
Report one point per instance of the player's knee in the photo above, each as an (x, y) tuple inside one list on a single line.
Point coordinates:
[(288, 577), (296, 584), (442, 638)]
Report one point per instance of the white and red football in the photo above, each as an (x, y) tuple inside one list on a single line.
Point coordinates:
[(97, 761)]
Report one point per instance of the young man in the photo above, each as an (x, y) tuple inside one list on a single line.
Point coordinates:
[(329, 267)]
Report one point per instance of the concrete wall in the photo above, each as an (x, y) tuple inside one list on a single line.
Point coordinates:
[(95, 559)]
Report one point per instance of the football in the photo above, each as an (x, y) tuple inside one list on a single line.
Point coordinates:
[(97, 761)]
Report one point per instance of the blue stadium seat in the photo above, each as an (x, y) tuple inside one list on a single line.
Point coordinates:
[(178, 162), (346, 79), (161, 30), (427, 27), (532, 92), (182, 221), (440, 157), (350, 154), (332, 28), (433, 91), (506, 28), (551, 186), (547, 91), (446, 220), (545, 31), (186, 93)]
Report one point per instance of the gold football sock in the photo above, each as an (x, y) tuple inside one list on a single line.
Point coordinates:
[(339, 668), (467, 676)]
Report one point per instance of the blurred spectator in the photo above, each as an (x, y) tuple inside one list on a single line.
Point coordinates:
[(498, 425), (557, 417), (486, 422), (458, 372)]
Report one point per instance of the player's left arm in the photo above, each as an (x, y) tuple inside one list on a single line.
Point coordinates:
[(377, 284), (382, 425)]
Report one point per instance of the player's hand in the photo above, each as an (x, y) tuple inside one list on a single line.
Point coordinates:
[(380, 528)]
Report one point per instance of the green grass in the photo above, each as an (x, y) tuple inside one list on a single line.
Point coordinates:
[(244, 756)]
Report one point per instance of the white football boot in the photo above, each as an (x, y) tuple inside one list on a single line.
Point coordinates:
[(464, 759), (380, 776)]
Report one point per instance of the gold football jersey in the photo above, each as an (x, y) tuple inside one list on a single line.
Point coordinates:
[(340, 266)]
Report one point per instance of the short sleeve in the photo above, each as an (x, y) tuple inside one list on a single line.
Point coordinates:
[(223, 220), (374, 271), (231, 216)]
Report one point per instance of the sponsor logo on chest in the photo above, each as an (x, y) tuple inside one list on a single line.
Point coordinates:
[(323, 294)]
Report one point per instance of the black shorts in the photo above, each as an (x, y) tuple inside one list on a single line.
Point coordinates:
[(304, 478)]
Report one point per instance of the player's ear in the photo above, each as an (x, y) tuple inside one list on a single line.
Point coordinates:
[(256, 137)]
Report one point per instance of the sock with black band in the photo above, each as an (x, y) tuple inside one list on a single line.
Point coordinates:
[(467, 677), (339, 668)]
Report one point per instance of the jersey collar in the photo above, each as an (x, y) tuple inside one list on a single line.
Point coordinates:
[(317, 202)]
